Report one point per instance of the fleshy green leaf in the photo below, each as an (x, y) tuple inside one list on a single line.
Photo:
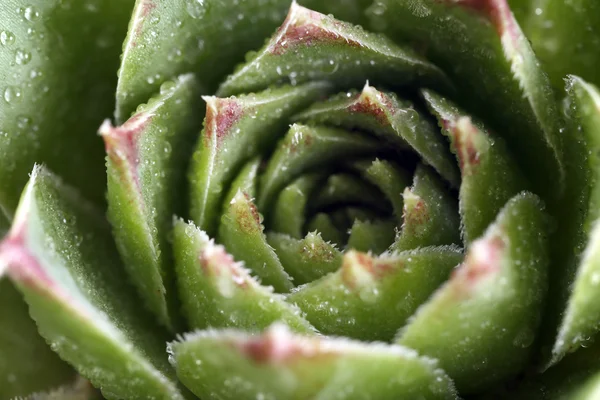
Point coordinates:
[(20, 344), (430, 216), (146, 165), (391, 180), (313, 46), (370, 298), (561, 32), (235, 130), (171, 37), (374, 236), (57, 82), (580, 321), (61, 256), (481, 46), (241, 231), (481, 324), (392, 119), (289, 213), (304, 148), (490, 176), (217, 292), (278, 365), (345, 188), (323, 224), (307, 259)]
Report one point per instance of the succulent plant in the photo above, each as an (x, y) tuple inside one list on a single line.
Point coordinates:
[(390, 199)]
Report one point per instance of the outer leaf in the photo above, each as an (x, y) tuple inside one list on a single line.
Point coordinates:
[(480, 45), (580, 320), (390, 118), (61, 256), (482, 322), (370, 298), (57, 80), (313, 46), (561, 32), (430, 216), (217, 292), (308, 259), (490, 175), (208, 37), (146, 165), (306, 147), (20, 345), (235, 130), (278, 365)]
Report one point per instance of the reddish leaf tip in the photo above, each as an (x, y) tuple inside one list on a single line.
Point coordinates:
[(482, 261), (18, 261), (221, 115), (121, 142), (276, 345), (372, 102), (415, 210), (464, 135), (496, 11), (358, 267), (215, 261), (303, 26)]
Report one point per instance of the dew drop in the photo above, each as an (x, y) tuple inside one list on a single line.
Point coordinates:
[(22, 57), (30, 13), (7, 38), (196, 8), (12, 94)]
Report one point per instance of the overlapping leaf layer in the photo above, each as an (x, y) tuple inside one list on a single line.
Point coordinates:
[(387, 200)]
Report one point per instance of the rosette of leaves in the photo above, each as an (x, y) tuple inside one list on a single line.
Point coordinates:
[(352, 200)]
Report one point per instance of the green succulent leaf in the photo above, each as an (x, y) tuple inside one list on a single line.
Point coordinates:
[(57, 82), (480, 45), (390, 118), (218, 292), (559, 32), (168, 38), (371, 236), (60, 255), (306, 147), (490, 177), (237, 129), (242, 232), (340, 188), (312, 46), (20, 343), (289, 211), (146, 162), (308, 259), (369, 297), (580, 321), (430, 216), (390, 179), (323, 224), (481, 324), (279, 365)]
